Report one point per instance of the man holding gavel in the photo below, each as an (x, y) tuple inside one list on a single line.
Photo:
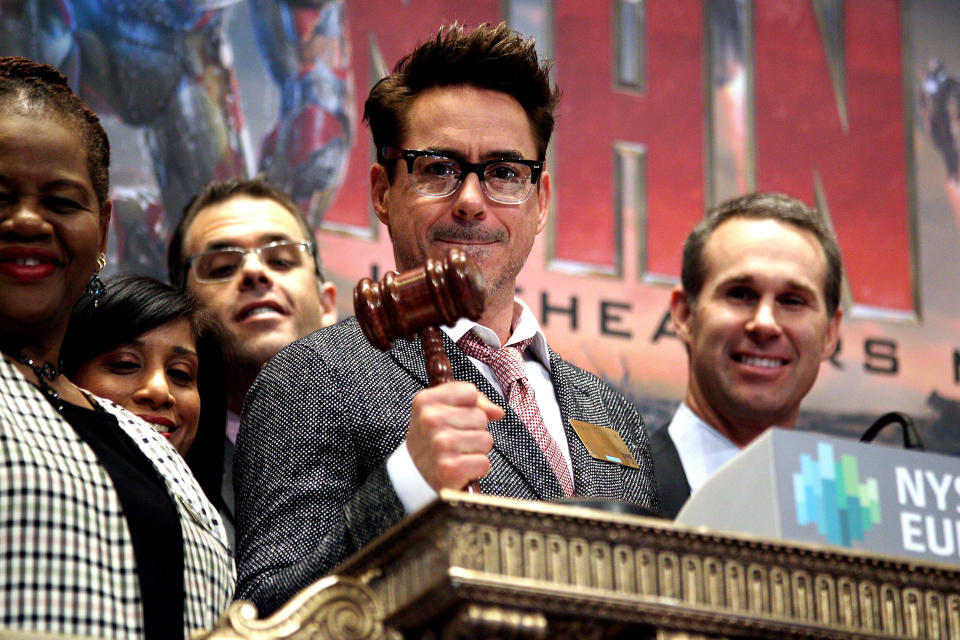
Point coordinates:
[(339, 440)]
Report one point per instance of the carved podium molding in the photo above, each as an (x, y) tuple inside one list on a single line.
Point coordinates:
[(474, 566)]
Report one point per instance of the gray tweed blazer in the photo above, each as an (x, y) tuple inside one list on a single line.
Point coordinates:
[(324, 415), (68, 564)]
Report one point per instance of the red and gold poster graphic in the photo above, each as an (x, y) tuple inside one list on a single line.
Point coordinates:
[(668, 107)]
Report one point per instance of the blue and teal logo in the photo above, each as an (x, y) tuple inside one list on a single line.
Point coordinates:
[(830, 495)]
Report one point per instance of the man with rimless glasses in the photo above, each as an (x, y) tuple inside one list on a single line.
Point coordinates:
[(244, 251), (339, 440)]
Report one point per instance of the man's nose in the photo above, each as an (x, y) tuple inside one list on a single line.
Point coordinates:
[(763, 321), (470, 200), (253, 271)]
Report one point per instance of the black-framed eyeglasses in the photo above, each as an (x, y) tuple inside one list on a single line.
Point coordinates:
[(503, 180), (220, 265)]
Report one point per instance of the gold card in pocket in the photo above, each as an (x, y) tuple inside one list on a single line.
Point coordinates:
[(603, 443)]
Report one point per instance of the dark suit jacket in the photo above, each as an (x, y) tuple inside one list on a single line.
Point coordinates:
[(672, 482), (327, 411), (227, 506)]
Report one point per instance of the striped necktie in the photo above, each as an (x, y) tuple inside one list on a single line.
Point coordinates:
[(507, 365)]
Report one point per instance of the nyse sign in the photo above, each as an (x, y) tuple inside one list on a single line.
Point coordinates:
[(929, 521)]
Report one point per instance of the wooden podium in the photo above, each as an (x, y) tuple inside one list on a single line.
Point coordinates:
[(476, 566)]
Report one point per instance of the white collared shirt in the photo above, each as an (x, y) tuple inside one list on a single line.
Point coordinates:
[(702, 448), (411, 487)]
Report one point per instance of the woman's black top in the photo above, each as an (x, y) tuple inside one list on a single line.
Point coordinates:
[(151, 517)]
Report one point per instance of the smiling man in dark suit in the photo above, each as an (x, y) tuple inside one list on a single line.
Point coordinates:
[(758, 311), (339, 440)]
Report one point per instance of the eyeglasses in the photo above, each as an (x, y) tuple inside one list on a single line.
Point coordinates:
[(434, 175), (221, 265)]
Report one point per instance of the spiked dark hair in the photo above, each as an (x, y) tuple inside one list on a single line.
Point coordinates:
[(487, 57)]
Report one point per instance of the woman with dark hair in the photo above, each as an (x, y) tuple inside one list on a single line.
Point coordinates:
[(144, 345), (103, 529)]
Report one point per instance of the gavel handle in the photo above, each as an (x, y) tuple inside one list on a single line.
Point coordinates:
[(438, 365), (439, 370)]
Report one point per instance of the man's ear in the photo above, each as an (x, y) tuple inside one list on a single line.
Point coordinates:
[(543, 200), (328, 303), (379, 190), (681, 314)]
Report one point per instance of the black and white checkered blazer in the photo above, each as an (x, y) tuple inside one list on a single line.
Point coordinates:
[(327, 411), (66, 559)]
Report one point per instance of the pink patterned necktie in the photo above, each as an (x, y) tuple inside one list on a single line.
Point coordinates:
[(507, 365)]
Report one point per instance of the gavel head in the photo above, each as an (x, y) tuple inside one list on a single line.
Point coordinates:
[(438, 293)]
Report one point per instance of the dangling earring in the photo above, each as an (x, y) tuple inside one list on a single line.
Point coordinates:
[(95, 287)]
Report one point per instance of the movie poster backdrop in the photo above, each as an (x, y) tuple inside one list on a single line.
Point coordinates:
[(669, 106)]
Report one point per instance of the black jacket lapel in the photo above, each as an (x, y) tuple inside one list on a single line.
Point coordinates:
[(668, 469)]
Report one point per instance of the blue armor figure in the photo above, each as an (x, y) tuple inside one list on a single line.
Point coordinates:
[(306, 152), (166, 68)]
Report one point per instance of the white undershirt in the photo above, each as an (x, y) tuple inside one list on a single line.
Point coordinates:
[(409, 484), (702, 448)]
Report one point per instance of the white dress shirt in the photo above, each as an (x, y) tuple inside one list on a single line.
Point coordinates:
[(411, 487), (702, 448)]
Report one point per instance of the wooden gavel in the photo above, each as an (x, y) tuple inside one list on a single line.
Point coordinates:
[(419, 301)]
